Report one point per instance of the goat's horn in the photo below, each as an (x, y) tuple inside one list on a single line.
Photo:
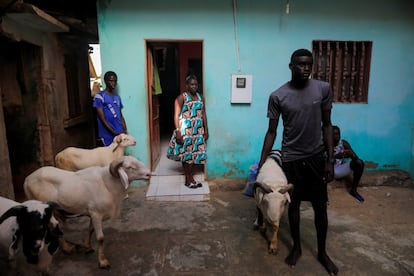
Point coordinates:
[(114, 166), (118, 140), (263, 186), (286, 189), (117, 145), (12, 212)]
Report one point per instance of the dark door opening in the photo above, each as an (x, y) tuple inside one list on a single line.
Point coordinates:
[(173, 61), (20, 81)]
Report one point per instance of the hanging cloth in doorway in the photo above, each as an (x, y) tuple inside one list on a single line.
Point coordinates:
[(156, 84)]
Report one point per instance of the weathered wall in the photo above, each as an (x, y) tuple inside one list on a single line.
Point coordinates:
[(67, 131), (380, 131), (36, 115)]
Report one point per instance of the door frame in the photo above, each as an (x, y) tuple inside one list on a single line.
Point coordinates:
[(154, 134)]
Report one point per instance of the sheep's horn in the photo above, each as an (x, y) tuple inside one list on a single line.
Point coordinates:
[(12, 212), (118, 140), (114, 166), (263, 186), (286, 189), (115, 148)]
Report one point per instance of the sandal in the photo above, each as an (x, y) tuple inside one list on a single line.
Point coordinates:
[(198, 184), (357, 196), (191, 185)]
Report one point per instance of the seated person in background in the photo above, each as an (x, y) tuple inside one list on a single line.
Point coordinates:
[(343, 153)]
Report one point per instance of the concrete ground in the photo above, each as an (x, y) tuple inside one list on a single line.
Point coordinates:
[(216, 237)]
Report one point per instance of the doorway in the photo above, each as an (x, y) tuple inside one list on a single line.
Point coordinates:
[(168, 63), (20, 85)]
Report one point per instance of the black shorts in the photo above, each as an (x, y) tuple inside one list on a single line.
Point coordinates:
[(307, 176)]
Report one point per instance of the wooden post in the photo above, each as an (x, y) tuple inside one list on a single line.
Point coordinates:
[(6, 181)]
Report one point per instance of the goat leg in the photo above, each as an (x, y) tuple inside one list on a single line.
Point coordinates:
[(88, 239), (260, 223), (97, 225), (273, 240), (260, 220), (103, 261), (67, 247)]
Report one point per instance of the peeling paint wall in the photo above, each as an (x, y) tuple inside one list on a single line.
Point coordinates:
[(380, 131)]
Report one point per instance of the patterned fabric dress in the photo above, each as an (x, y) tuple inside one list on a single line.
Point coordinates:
[(193, 149)]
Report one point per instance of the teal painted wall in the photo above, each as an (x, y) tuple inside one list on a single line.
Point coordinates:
[(381, 131)]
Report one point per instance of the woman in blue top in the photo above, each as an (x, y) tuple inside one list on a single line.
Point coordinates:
[(108, 106)]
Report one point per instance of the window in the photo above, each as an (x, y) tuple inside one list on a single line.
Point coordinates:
[(346, 66)]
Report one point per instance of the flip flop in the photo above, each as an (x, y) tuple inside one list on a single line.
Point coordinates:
[(359, 198), (191, 185), (198, 184)]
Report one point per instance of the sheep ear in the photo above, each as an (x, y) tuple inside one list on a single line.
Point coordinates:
[(12, 212), (287, 195), (113, 168), (124, 177)]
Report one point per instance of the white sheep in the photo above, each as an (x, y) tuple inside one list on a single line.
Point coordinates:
[(73, 159), (96, 192), (29, 235), (271, 195)]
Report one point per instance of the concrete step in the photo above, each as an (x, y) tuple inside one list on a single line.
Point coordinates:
[(172, 188)]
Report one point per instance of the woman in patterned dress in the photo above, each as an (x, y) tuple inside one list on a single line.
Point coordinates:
[(188, 143)]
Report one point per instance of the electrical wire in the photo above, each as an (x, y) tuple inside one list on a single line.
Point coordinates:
[(236, 36)]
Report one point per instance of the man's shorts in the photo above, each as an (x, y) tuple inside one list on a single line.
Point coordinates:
[(307, 176), (342, 170)]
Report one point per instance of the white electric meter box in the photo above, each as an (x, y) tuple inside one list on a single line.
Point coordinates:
[(241, 88)]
